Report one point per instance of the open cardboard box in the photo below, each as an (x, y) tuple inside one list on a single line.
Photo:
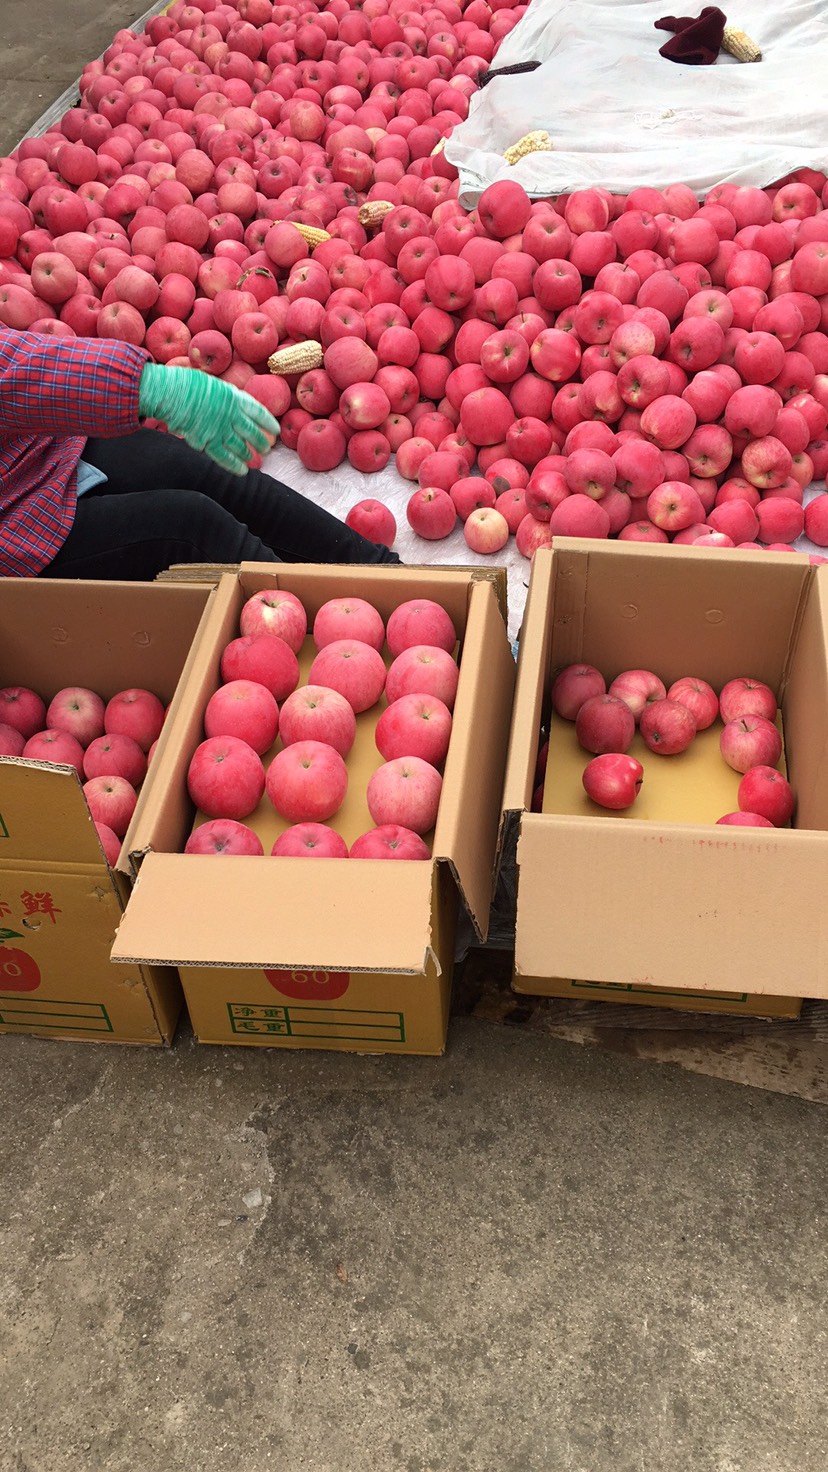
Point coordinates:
[(668, 908), (335, 954), (60, 903)]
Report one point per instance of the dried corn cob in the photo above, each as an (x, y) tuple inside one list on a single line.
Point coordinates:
[(311, 233), (537, 142), (374, 212), (737, 44), (297, 358)]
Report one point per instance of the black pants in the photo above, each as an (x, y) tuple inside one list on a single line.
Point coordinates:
[(165, 503)]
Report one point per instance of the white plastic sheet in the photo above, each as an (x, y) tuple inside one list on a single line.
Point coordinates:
[(622, 116)]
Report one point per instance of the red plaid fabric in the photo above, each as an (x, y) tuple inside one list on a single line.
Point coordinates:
[(55, 393)]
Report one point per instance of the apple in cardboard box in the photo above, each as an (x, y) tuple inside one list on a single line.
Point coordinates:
[(225, 778), (310, 841), (224, 836), (78, 711), (613, 780), (389, 841), (316, 713), (406, 791), (307, 782)]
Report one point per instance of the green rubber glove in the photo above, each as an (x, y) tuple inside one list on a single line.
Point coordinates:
[(208, 413)]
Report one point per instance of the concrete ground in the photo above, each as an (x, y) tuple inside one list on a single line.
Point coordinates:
[(525, 1257)]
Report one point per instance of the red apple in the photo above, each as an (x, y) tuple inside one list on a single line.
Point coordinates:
[(604, 724), (638, 689), (266, 659), (110, 843), (55, 746), (225, 778), (348, 618), (420, 621), (317, 713), (700, 699), (355, 669), (78, 711), (613, 780), (115, 756), (373, 520), (136, 713), (415, 725), (667, 727), (23, 709), (765, 791), (310, 841), (744, 820), (406, 791), (423, 669), (389, 841), (573, 686), (224, 836), (750, 741), (245, 709), (307, 782), (12, 741), (747, 697), (274, 611), (111, 801)]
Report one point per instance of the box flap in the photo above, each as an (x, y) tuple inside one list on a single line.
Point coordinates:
[(466, 833), (44, 816), (757, 921), (320, 914)]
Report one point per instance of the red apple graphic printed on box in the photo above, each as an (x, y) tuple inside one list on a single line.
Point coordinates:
[(18, 971), (310, 986)]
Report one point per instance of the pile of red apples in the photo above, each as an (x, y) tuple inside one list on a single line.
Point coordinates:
[(645, 367), (109, 744), (668, 720), (305, 776)]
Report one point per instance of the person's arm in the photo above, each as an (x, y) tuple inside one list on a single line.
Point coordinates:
[(100, 389), (68, 386)]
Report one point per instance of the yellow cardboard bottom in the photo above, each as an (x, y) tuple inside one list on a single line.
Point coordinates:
[(742, 1004)]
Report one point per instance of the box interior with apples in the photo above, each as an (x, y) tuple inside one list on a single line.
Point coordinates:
[(383, 736), (86, 670), (642, 885)]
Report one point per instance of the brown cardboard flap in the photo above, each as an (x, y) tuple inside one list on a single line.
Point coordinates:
[(44, 815), (466, 833), (325, 914), (746, 907)]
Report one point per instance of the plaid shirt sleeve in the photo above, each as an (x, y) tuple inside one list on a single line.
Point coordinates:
[(55, 393), (59, 386)]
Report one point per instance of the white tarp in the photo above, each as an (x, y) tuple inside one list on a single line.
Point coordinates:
[(622, 116)]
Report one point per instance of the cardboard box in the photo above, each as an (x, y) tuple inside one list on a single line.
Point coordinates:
[(333, 954), (678, 905), (60, 903)]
